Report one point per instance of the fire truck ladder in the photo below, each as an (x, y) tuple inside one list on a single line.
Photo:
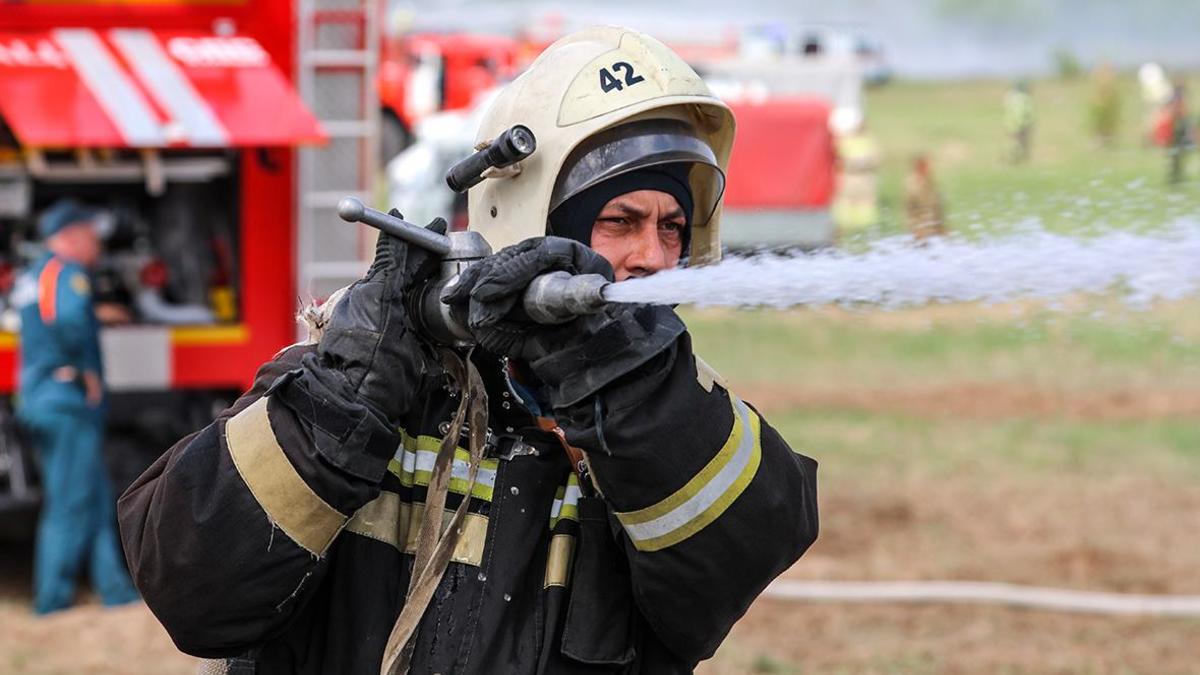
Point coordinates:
[(338, 56)]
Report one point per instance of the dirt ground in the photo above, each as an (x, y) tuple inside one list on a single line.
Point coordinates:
[(789, 637), (88, 639)]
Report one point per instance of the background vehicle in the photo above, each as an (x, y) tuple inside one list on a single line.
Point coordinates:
[(425, 73), (182, 120)]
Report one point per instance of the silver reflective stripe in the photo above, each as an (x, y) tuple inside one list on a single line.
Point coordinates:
[(113, 89), (170, 87), (707, 496), (423, 460), (570, 498)]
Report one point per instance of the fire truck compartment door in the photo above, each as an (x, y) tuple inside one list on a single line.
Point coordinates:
[(139, 88), (136, 358), (783, 157)]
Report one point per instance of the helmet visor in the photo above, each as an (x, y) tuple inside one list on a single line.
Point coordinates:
[(638, 145)]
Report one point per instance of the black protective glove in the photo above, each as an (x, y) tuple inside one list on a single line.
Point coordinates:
[(371, 339), (491, 290), (370, 367), (574, 359)]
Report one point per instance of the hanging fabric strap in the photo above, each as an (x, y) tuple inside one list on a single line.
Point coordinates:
[(436, 543)]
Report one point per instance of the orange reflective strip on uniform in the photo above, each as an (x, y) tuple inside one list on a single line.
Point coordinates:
[(48, 290)]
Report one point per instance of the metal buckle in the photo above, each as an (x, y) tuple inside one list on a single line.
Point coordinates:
[(517, 447), (464, 436)]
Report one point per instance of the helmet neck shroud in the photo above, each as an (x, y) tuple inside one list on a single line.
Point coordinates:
[(575, 218)]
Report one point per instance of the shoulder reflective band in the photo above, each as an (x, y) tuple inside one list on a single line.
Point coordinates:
[(288, 501), (389, 520), (48, 291), (706, 496)]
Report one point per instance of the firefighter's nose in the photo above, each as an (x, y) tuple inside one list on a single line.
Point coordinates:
[(648, 255)]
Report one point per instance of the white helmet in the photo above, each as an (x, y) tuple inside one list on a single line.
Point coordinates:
[(603, 102)]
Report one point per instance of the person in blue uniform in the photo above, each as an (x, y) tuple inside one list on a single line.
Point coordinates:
[(61, 406)]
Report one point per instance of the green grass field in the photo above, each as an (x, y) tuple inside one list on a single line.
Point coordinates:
[(1068, 185), (1023, 443)]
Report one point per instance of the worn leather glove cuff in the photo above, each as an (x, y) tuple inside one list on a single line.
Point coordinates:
[(348, 434), (620, 340)]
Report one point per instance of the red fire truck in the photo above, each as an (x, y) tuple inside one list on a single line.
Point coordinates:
[(183, 121), (425, 73)]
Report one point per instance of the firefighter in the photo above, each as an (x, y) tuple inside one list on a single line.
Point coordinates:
[(1179, 134), (922, 201), (856, 206), (61, 407), (1018, 121), (627, 507)]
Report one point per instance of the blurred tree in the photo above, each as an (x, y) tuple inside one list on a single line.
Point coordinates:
[(1066, 64), (1104, 108)]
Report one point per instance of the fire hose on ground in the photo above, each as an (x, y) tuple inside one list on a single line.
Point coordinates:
[(988, 593)]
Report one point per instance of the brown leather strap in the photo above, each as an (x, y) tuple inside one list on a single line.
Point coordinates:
[(577, 457)]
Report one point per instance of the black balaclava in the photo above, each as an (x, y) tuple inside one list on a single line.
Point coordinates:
[(575, 217)]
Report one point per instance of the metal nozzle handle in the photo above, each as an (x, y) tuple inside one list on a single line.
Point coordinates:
[(352, 209)]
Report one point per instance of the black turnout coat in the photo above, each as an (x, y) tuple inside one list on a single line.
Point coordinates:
[(257, 539)]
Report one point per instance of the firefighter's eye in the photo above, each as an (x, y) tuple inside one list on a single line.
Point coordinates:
[(672, 226)]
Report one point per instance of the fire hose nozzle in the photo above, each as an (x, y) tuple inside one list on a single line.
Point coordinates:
[(558, 297), (554, 297)]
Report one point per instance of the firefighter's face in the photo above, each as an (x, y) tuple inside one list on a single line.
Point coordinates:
[(640, 233)]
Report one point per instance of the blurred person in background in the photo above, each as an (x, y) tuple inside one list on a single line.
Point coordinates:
[(922, 202), (1156, 91), (856, 203), (1104, 108), (60, 404), (1179, 135), (628, 507), (1018, 121)]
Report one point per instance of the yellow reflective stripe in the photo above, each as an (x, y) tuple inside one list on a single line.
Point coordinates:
[(415, 458), (469, 548), (288, 501), (390, 520), (380, 519), (566, 502), (558, 562), (706, 496)]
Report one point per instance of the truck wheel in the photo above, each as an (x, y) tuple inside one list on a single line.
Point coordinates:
[(18, 468)]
